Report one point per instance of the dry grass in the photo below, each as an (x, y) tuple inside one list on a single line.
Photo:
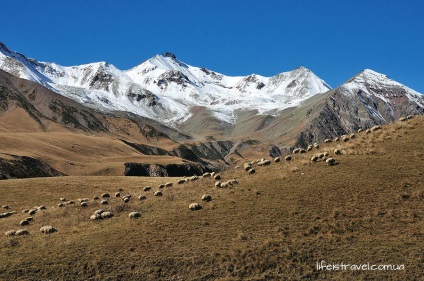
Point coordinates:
[(275, 225)]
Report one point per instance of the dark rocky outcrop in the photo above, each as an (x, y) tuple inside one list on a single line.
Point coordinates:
[(25, 167), (168, 170)]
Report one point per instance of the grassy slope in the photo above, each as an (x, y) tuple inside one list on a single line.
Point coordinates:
[(274, 225)]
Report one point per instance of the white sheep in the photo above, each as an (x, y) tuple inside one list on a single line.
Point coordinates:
[(134, 215), (352, 136), (158, 193), (345, 139), (23, 222), (169, 184), (194, 178), (117, 194), (327, 140), (147, 188), (277, 159), (194, 206), (206, 175), (247, 166), (252, 171), (104, 202), (309, 148), (161, 186), (225, 184), (126, 199), (10, 233), (106, 195), (217, 177), (330, 161), (302, 150), (84, 204), (181, 181), (47, 229), (206, 198), (288, 158), (314, 158), (32, 212), (376, 128), (5, 207), (360, 130), (316, 145), (25, 211), (264, 163), (98, 212), (326, 154), (368, 131), (62, 199), (21, 232), (96, 198), (142, 197), (218, 184), (107, 215), (296, 150), (60, 205), (337, 151)]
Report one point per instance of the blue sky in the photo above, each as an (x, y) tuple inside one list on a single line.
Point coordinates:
[(335, 38)]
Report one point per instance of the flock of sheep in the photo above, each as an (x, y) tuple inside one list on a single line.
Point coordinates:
[(248, 166)]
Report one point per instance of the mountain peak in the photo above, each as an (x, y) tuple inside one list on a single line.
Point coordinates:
[(4, 47), (169, 55)]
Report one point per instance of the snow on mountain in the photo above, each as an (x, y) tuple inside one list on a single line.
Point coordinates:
[(164, 88)]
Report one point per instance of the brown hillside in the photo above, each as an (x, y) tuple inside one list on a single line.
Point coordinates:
[(275, 224)]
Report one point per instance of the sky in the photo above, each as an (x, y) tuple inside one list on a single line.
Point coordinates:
[(335, 39)]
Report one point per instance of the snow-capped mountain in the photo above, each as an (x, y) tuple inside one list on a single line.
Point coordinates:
[(165, 89)]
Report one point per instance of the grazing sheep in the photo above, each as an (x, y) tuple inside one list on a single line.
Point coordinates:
[(410, 116), (107, 215), (95, 217), (25, 211), (42, 207), (296, 150), (60, 205), (47, 229), (84, 200), (71, 202), (330, 161), (194, 178), (309, 148), (134, 215), (336, 139), (302, 150), (345, 139), (213, 174), (321, 155), (314, 158), (169, 184), (32, 212), (206, 198), (247, 166), (29, 219), (96, 198), (147, 188), (62, 199), (194, 206), (232, 181), (126, 199), (327, 140), (376, 128), (181, 181), (225, 184), (5, 207), (158, 193), (277, 159), (104, 202), (120, 189), (288, 158), (316, 145), (218, 184), (264, 163), (205, 175), (326, 154), (252, 171), (360, 130), (99, 212), (142, 197), (352, 136), (217, 177), (84, 204), (337, 151), (117, 194), (10, 233), (24, 222), (106, 195), (21, 232)]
